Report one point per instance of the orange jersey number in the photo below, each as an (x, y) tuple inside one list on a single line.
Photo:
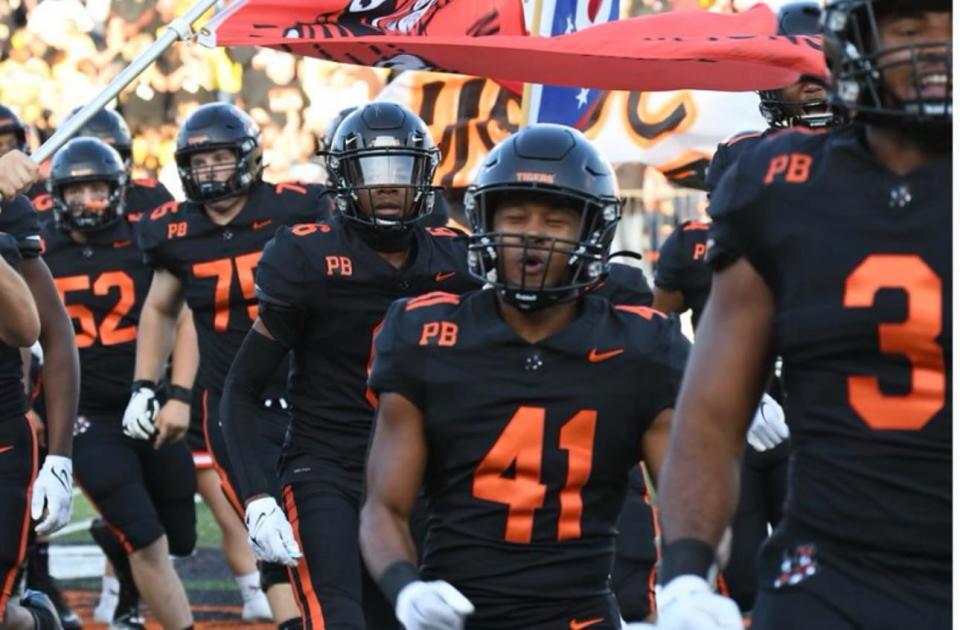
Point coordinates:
[(915, 338), (223, 271), (110, 332), (520, 447)]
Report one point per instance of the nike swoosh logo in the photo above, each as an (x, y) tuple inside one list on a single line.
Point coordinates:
[(597, 357), (577, 625), (4, 449), (261, 224), (440, 277), (119, 244)]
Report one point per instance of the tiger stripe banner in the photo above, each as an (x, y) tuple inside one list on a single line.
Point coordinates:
[(667, 51)]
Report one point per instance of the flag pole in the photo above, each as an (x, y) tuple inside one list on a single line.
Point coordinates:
[(180, 28), (535, 31)]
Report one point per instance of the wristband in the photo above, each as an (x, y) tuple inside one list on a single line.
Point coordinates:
[(395, 578), (143, 383), (687, 556), (183, 394)]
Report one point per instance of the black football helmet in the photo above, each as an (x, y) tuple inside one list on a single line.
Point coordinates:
[(797, 18), (11, 123), (555, 164), (109, 126), (326, 142), (857, 61), (219, 126), (87, 160), (383, 145)]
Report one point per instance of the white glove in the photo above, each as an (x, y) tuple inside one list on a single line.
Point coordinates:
[(271, 536), (688, 603), (140, 414), (769, 426), (432, 606), (53, 490)]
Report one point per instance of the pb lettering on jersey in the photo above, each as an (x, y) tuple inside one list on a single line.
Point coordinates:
[(864, 326), (681, 265), (216, 264), (531, 444), (322, 291)]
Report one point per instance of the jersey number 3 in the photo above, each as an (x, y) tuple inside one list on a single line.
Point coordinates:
[(915, 338), (520, 448)]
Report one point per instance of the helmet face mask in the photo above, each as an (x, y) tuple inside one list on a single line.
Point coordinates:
[(80, 161), (908, 84), (382, 162), (208, 129), (789, 107), (565, 170)]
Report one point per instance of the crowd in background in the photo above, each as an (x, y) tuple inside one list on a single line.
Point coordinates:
[(56, 54)]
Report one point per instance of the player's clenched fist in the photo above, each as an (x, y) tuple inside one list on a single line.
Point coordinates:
[(141, 412), (17, 173), (432, 606)]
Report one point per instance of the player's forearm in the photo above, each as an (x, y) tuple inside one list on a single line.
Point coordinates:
[(253, 368), (385, 537), (20, 325), (154, 341), (61, 364), (186, 354)]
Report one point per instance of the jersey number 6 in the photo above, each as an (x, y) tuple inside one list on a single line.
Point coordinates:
[(520, 446)]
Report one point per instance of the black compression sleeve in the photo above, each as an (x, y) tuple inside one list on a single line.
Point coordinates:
[(252, 370)]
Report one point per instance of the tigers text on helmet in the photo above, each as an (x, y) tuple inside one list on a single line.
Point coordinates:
[(11, 123), (219, 126), (383, 147), (858, 60), (110, 127), (87, 160), (558, 165), (793, 19)]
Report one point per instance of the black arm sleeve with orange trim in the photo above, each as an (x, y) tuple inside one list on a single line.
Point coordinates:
[(252, 372)]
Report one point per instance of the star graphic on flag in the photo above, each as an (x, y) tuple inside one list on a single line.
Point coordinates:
[(582, 97), (570, 26)]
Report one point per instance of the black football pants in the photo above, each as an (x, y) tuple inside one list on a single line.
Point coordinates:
[(18, 467)]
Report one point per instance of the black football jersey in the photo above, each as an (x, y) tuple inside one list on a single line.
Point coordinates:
[(727, 153), (12, 399), (103, 284), (859, 262), (19, 223), (217, 265), (625, 285), (341, 289), (681, 266), (530, 445), (142, 195)]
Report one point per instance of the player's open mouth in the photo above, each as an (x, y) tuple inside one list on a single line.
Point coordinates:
[(389, 212), (533, 264), (934, 86)]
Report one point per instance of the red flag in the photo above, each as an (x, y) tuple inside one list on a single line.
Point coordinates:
[(668, 51)]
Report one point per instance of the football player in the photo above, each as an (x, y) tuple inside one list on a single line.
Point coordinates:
[(142, 194), (52, 499), (831, 251), (522, 408), (682, 282), (143, 490), (205, 252), (323, 288)]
